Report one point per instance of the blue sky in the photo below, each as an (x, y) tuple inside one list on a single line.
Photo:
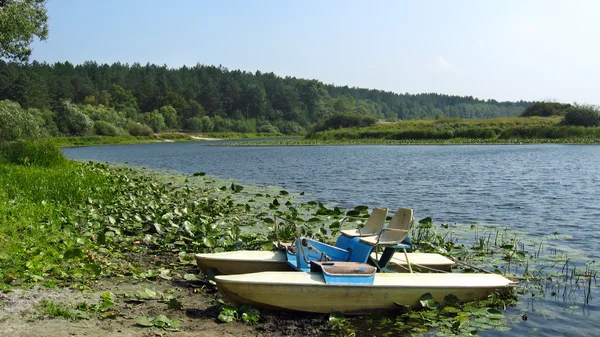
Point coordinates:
[(505, 50)]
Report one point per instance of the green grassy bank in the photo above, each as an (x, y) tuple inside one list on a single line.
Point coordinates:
[(159, 137), (464, 131)]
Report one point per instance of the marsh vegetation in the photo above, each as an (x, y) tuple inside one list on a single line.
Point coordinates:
[(82, 226)]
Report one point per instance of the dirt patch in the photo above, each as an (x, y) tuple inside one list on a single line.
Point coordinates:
[(204, 138), (196, 310)]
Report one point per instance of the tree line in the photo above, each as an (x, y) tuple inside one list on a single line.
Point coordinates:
[(139, 99)]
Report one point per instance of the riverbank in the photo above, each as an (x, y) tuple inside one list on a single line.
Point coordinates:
[(516, 130), (74, 141), (109, 251), (120, 242)]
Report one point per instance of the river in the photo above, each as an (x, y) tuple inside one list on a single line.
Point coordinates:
[(535, 189)]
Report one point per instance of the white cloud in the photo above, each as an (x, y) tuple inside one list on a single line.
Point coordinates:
[(439, 65)]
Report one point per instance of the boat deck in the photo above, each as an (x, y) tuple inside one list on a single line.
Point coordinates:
[(415, 280)]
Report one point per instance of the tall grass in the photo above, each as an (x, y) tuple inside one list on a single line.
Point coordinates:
[(31, 152)]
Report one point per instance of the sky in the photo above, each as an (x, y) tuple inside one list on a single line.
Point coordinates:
[(506, 50)]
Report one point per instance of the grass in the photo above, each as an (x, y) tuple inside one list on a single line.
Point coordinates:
[(55, 310), (463, 131)]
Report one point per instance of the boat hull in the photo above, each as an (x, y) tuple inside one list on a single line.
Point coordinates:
[(250, 261), (309, 293), (243, 262)]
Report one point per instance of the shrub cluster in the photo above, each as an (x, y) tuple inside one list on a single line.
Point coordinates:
[(344, 120), (546, 109), (582, 115), (27, 152)]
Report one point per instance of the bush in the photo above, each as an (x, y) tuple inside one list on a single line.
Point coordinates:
[(200, 124), (267, 128), (72, 120), (344, 120), (582, 115), (289, 127), (39, 153), (104, 128), (154, 120), (546, 109), (137, 129), (16, 123)]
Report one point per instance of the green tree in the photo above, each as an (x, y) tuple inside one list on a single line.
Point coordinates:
[(546, 109), (73, 121), (137, 129), (121, 98), (201, 124), (154, 120), (16, 123), (20, 21), (582, 115), (105, 128), (170, 116)]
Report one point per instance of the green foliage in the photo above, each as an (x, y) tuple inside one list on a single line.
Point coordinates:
[(16, 123), (267, 128), (289, 128), (200, 124), (154, 119), (233, 100), (104, 128), (138, 129), (39, 153), (121, 99), (170, 117), (344, 120), (20, 21), (54, 310), (46, 121), (457, 131), (244, 313), (340, 326), (73, 121), (582, 115), (105, 114), (546, 109)]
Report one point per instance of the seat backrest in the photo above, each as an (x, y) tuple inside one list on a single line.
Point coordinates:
[(403, 219), (375, 222), (401, 223)]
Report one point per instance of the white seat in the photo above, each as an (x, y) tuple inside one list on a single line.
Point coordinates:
[(396, 232), (374, 224)]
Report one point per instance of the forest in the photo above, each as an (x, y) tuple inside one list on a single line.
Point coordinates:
[(63, 99)]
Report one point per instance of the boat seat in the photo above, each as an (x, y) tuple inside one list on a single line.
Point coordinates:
[(373, 226), (381, 240), (396, 232)]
